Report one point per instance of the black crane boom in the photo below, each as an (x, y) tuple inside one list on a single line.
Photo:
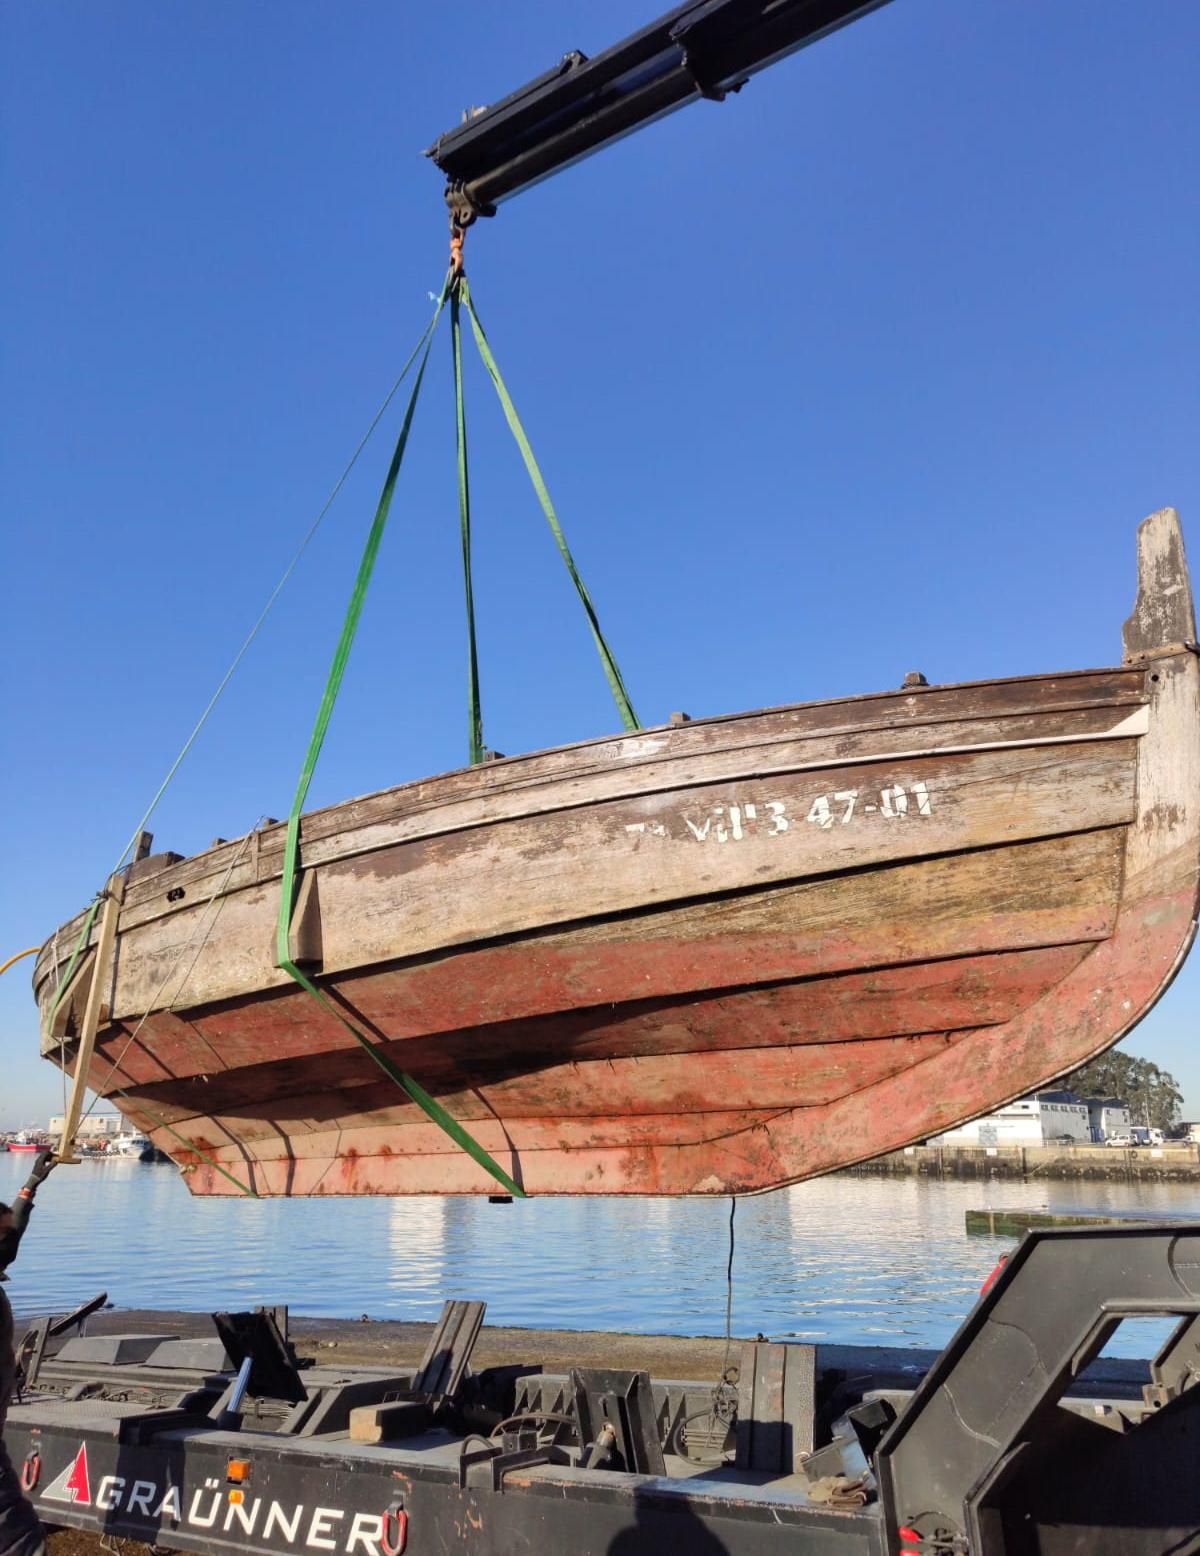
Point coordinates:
[(705, 48)]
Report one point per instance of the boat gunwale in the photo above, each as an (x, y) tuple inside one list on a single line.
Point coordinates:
[(217, 861), (1120, 826)]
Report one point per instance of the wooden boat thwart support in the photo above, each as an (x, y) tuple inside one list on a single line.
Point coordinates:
[(711, 957), (101, 968)]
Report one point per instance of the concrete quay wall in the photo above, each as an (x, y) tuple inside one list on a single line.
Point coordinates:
[(1164, 1164)]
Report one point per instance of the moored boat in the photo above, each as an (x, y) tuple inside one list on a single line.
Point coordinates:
[(131, 1144), (711, 957)]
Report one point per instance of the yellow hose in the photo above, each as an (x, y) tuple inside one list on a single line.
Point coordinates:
[(28, 951)]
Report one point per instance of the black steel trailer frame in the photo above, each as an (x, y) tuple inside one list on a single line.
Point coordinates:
[(228, 1445)]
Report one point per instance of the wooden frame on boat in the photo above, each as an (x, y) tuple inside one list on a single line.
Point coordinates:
[(708, 958)]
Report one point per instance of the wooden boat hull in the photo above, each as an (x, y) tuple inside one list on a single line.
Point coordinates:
[(709, 958)]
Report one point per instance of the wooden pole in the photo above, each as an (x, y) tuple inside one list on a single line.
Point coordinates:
[(101, 971)]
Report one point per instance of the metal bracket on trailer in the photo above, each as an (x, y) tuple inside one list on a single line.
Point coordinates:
[(32, 1349), (998, 1453), (983, 1458)]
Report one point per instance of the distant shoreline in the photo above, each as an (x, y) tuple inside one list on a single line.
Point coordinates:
[(1096, 1163)]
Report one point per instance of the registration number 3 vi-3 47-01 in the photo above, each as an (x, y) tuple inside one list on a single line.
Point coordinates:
[(772, 818)]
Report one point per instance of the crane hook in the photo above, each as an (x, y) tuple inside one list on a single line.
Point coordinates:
[(458, 234)]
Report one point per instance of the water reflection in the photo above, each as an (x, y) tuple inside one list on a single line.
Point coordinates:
[(418, 1231), (840, 1259)]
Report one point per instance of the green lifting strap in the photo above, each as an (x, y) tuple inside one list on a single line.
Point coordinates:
[(88, 920), (205, 1156), (611, 671), (419, 1095), (474, 711)]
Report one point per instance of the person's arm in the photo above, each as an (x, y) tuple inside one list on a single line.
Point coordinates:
[(23, 1204)]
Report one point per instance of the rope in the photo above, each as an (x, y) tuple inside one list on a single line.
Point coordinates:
[(729, 1288), (341, 653), (616, 684), (721, 1410), (337, 669), (474, 712), (152, 1004), (456, 290), (161, 1123), (266, 610), (85, 932)]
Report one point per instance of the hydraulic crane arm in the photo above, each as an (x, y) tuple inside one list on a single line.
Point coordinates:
[(702, 49)]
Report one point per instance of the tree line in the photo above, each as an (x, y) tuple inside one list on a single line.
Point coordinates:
[(1152, 1095)]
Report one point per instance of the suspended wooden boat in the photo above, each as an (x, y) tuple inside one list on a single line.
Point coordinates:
[(713, 957)]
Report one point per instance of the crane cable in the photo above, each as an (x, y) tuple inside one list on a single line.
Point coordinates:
[(456, 291), (90, 915), (475, 746), (612, 672), (266, 610), (287, 896)]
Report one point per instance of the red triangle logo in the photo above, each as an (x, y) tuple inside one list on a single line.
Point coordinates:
[(73, 1484)]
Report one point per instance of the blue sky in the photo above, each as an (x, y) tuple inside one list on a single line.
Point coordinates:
[(873, 367)]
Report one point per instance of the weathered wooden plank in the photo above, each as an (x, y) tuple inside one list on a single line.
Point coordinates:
[(794, 1144), (97, 989), (595, 862), (359, 832), (759, 1047), (1079, 701), (751, 1079), (1164, 616), (1118, 980), (1056, 891), (67, 1018), (378, 821)]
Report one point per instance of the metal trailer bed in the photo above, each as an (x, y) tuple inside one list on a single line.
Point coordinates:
[(229, 1445)]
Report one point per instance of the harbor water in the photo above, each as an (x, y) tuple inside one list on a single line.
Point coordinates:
[(843, 1259)]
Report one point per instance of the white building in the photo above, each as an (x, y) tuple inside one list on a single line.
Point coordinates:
[(96, 1126), (1108, 1117), (1048, 1118)]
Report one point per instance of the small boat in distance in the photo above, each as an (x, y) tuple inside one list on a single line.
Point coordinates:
[(130, 1144), (27, 1140), (708, 958)]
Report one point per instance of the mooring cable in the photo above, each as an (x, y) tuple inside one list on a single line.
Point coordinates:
[(729, 1287)]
